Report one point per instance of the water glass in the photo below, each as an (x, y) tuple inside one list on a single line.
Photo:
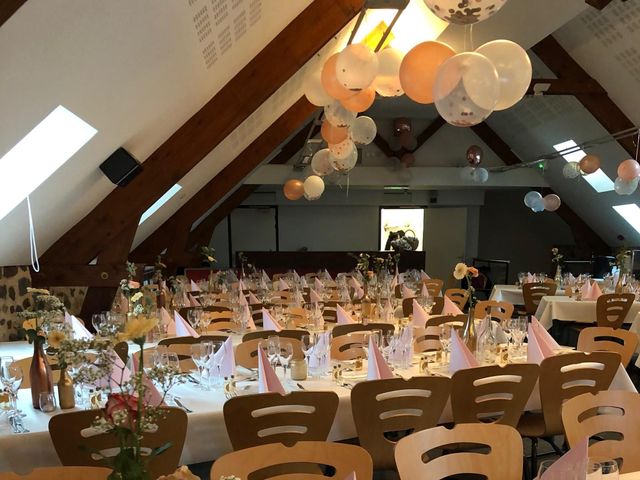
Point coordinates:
[(285, 354), (47, 401)]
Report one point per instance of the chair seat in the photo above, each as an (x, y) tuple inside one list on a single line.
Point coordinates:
[(531, 424)]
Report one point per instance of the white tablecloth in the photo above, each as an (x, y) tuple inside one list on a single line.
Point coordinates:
[(511, 294), (570, 310), (206, 433)]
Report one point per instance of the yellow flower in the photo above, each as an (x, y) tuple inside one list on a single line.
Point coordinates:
[(210, 258), (55, 338), (137, 327), (136, 297), (29, 324), (460, 271)]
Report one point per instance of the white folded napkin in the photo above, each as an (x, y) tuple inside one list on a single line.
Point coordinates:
[(225, 358)]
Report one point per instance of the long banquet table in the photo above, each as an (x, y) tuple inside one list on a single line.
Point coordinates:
[(511, 294), (206, 432), (569, 309)]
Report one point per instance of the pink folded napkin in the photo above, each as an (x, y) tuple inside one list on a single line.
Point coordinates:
[(351, 476), (537, 349), (530, 278), (225, 358), (450, 308), (355, 283), (318, 284), (120, 373), (152, 396), (544, 336), (265, 277), (182, 327), (323, 340), (343, 318), (242, 300), (267, 379), (282, 285), (194, 286), (358, 291), (296, 277), (461, 356), (78, 328), (395, 281), (575, 460), (241, 286), (253, 300), (193, 302), (250, 323), (586, 290), (326, 275), (232, 276), (406, 293), (268, 322), (303, 282), (424, 276), (420, 317), (314, 297), (594, 292), (165, 319), (377, 368), (424, 291)]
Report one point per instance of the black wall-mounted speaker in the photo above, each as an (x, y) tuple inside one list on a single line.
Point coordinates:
[(121, 167)]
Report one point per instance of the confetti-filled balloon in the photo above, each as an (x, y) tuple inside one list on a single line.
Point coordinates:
[(343, 149), (629, 169), (363, 130), (464, 12), (361, 101), (346, 164), (531, 197), (625, 187), (314, 91), (571, 170), (321, 162), (293, 189), (329, 81), (474, 155), (419, 68), (514, 70), (466, 89), (338, 115), (387, 82), (332, 134), (313, 187), (356, 66), (551, 202), (480, 175), (589, 164)]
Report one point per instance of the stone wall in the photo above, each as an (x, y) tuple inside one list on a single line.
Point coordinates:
[(14, 298), (72, 297)]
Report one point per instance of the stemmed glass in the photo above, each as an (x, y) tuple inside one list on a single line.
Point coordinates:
[(285, 354), (307, 343), (200, 353), (217, 358), (518, 328), (445, 340), (205, 321), (272, 349), (194, 316), (97, 320), (11, 375)]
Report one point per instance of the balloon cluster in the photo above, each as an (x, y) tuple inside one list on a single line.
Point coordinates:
[(473, 172), (537, 203), (312, 188), (628, 176)]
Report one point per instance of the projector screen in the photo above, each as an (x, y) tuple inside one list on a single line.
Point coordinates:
[(409, 220)]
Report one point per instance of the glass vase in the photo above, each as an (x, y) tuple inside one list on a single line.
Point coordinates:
[(469, 335)]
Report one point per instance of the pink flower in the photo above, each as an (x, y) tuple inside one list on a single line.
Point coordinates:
[(117, 402), (473, 271), (134, 284)]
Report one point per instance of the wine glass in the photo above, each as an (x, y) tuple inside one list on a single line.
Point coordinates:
[(97, 320), (285, 354), (272, 349), (200, 353), (306, 344), (205, 321), (194, 316), (11, 375), (217, 357), (445, 340)]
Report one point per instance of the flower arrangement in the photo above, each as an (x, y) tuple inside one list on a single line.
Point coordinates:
[(363, 265), (127, 413), (623, 260), (47, 309), (391, 262), (208, 256), (462, 271), (556, 256)]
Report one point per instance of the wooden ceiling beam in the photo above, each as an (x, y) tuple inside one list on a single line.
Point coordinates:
[(566, 86), (8, 8), (599, 4), (605, 111), (235, 102), (222, 183)]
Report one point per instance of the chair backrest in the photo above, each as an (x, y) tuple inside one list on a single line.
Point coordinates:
[(262, 418), (273, 460), (357, 327), (426, 340), (584, 416), (612, 308), (25, 366), (61, 473), (533, 292), (74, 448), (492, 393), (190, 340), (246, 353), (504, 460), (270, 333), (436, 309), (458, 321), (434, 286), (347, 347), (459, 296), (222, 326), (220, 315), (383, 408), (608, 339), (499, 311), (566, 376)]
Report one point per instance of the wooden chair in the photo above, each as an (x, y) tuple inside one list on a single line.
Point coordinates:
[(73, 448), (492, 394), (614, 412), (263, 418), (358, 327), (533, 292), (457, 321), (458, 296), (61, 473), (608, 339), (436, 309), (426, 340), (246, 353), (347, 347), (25, 366), (499, 311), (434, 286), (563, 377), (271, 333), (222, 327), (191, 340), (385, 410), (271, 460), (218, 315), (415, 458), (612, 308)]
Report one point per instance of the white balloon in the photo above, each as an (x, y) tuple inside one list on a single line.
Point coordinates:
[(538, 205), (480, 175), (464, 12), (514, 70), (320, 163), (343, 149), (338, 115), (571, 170), (531, 197), (363, 130), (466, 174), (356, 66), (344, 165), (466, 89), (625, 187), (387, 82), (314, 91), (313, 187)]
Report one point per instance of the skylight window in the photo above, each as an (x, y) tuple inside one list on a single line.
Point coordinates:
[(160, 202), (40, 153), (631, 213), (598, 179)]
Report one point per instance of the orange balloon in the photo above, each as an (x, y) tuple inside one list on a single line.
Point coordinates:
[(293, 189), (589, 164), (329, 81), (361, 101), (333, 134), (419, 68)]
